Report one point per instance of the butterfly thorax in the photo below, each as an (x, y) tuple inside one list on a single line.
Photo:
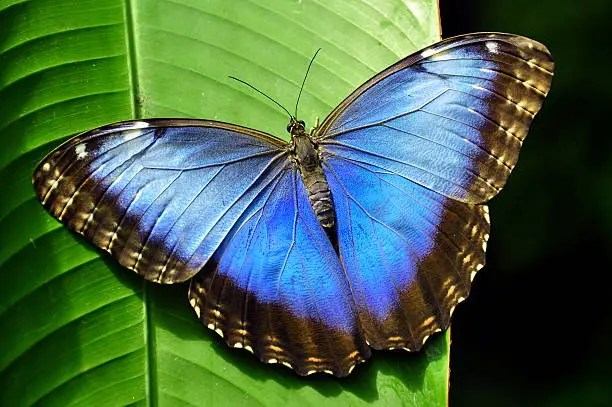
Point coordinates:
[(306, 156)]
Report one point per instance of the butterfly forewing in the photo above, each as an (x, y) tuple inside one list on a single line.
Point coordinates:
[(451, 117), (159, 195)]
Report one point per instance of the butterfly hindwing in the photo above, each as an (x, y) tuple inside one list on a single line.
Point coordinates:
[(276, 286), (451, 117), (409, 252), (159, 195)]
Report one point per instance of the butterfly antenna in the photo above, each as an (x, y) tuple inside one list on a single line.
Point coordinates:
[(304, 81), (258, 91)]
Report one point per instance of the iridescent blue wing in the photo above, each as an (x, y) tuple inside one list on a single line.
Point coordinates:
[(159, 195), (451, 118), (277, 288), (411, 157), (409, 252)]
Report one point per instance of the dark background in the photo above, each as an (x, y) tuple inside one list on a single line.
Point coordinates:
[(537, 328)]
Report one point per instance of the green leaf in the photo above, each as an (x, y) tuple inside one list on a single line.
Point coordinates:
[(76, 328)]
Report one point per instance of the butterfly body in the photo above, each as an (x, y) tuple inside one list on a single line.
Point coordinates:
[(365, 234), (307, 159)]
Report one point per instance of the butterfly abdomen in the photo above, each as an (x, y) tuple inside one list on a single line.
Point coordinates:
[(309, 165), (320, 197)]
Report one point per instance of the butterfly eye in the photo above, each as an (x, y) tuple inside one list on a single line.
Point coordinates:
[(289, 127), (302, 123)]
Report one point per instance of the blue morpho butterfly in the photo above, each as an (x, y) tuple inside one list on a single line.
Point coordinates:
[(364, 234)]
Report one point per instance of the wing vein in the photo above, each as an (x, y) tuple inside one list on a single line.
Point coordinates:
[(247, 189), (423, 232), (405, 163), (199, 167)]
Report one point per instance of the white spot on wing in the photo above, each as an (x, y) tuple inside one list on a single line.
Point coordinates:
[(140, 125), (427, 53), (133, 132), (80, 151), (492, 47)]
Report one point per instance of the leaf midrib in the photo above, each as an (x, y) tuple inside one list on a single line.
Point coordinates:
[(150, 366)]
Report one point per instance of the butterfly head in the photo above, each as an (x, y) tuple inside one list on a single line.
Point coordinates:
[(296, 127)]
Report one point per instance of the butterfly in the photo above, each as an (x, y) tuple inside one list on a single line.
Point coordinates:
[(362, 234)]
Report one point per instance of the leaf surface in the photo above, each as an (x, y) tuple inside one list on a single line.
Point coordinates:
[(77, 329)]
